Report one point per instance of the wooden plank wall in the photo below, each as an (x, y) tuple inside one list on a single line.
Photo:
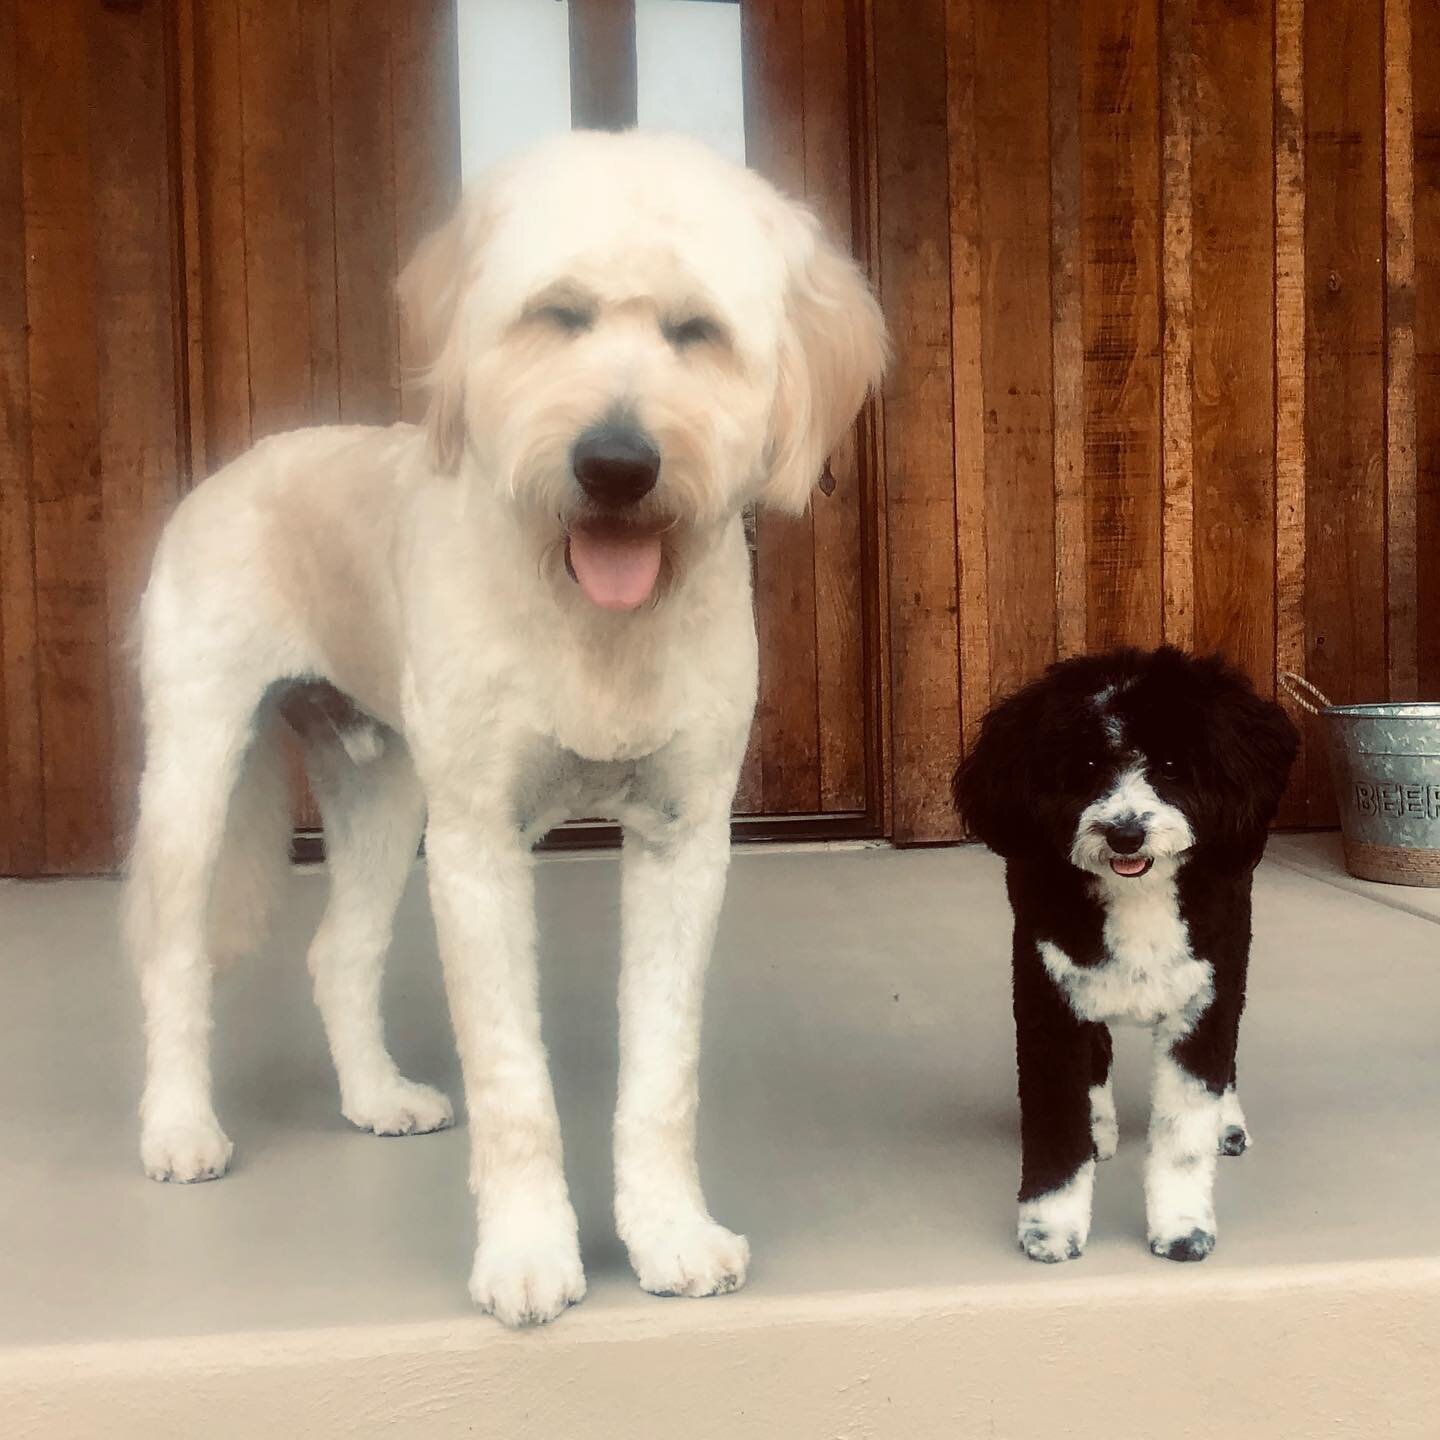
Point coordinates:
[(91, 445), (1165, 282)]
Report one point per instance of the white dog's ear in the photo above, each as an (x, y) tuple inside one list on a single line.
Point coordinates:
[(430, 289), (833, 351)]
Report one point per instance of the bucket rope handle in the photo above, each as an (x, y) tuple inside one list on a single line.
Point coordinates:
[(1297, 687)]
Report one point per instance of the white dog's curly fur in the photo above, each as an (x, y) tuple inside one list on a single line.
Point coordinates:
[(456, 624)]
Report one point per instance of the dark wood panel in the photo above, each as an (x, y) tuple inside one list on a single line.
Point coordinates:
[(137, 347), (1425, 67), (71, 621), (1067, 344), (1345, 366), (1012, 93), (366, 257), (1119, 225), (1233, 268), (223, 321), (22, 791), (842, 696), (787, 711), (914, 268)]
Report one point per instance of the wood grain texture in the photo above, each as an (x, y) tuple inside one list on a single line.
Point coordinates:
[(911, 132), (22, 789), (1402, 639), (1120, 225), (1233, 344), (1012, 93), (137, 349), (1425, 66), (71, 621), (366, 258), (842, 698), (1345, 343), (220, 197), (1179, 122), (1067, 331), (787, 711), (276, 90), (1290, 523), (602, 64), (967, 368)]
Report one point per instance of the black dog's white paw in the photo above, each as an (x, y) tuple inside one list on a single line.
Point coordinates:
[(1050, 1247), (1234, 1140), (1194, 1246)]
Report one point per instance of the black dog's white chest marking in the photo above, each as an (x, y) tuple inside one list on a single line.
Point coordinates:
[(1150, 976)]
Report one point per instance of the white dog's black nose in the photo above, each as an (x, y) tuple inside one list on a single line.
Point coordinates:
[(615, 464), (1126, 837)]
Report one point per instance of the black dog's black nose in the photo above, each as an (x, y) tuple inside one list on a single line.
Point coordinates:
[(1125, 838), (615, 464)]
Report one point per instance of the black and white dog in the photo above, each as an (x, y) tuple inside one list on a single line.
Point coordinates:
[(1130, 795)]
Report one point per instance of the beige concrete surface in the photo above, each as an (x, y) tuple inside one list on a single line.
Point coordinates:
[(858, 1124)]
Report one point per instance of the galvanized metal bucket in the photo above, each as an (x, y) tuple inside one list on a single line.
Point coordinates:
[(1385, 762)]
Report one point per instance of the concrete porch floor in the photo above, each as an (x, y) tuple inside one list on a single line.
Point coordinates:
[(859, 1124)]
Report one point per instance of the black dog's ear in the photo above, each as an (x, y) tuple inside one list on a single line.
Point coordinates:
[(1254, 744), (989, 785)]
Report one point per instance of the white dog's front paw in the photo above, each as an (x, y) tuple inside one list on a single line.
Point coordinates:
[(693, 1256), (185, 1151), (526, 1280), (1055, 1225), (400, 1107)]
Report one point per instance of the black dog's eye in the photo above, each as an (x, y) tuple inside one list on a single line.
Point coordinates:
[(1169, 765), (697, 330), (569, 318)]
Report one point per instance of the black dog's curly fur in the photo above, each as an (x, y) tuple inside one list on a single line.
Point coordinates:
[(1211, 748)]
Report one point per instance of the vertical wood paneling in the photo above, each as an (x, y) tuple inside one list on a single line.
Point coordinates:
[(1345, 342), (220, 192), (1012, 92), (71, 620), (1425, 67), (1290, 524), (1233, 345), (967, 367), (275, 102), (914, 265), (1177, 109), (136, 347), (1119, 223), (1402, 642), (366, 262), (786, 714), (840, 671), (22, 792), (1067, 345)]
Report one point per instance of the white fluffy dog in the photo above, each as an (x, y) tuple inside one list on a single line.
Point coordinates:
[(534, 606)]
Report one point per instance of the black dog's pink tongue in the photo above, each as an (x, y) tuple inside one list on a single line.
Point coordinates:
[(1130, 865)]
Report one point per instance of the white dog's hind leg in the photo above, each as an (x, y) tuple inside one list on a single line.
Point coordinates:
[(670, 900), (1185, 1121), (373, 814), (195, 746), (482, 886)]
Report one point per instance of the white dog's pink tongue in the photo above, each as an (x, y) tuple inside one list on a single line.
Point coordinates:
[(1130, 865), (615, 572)]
